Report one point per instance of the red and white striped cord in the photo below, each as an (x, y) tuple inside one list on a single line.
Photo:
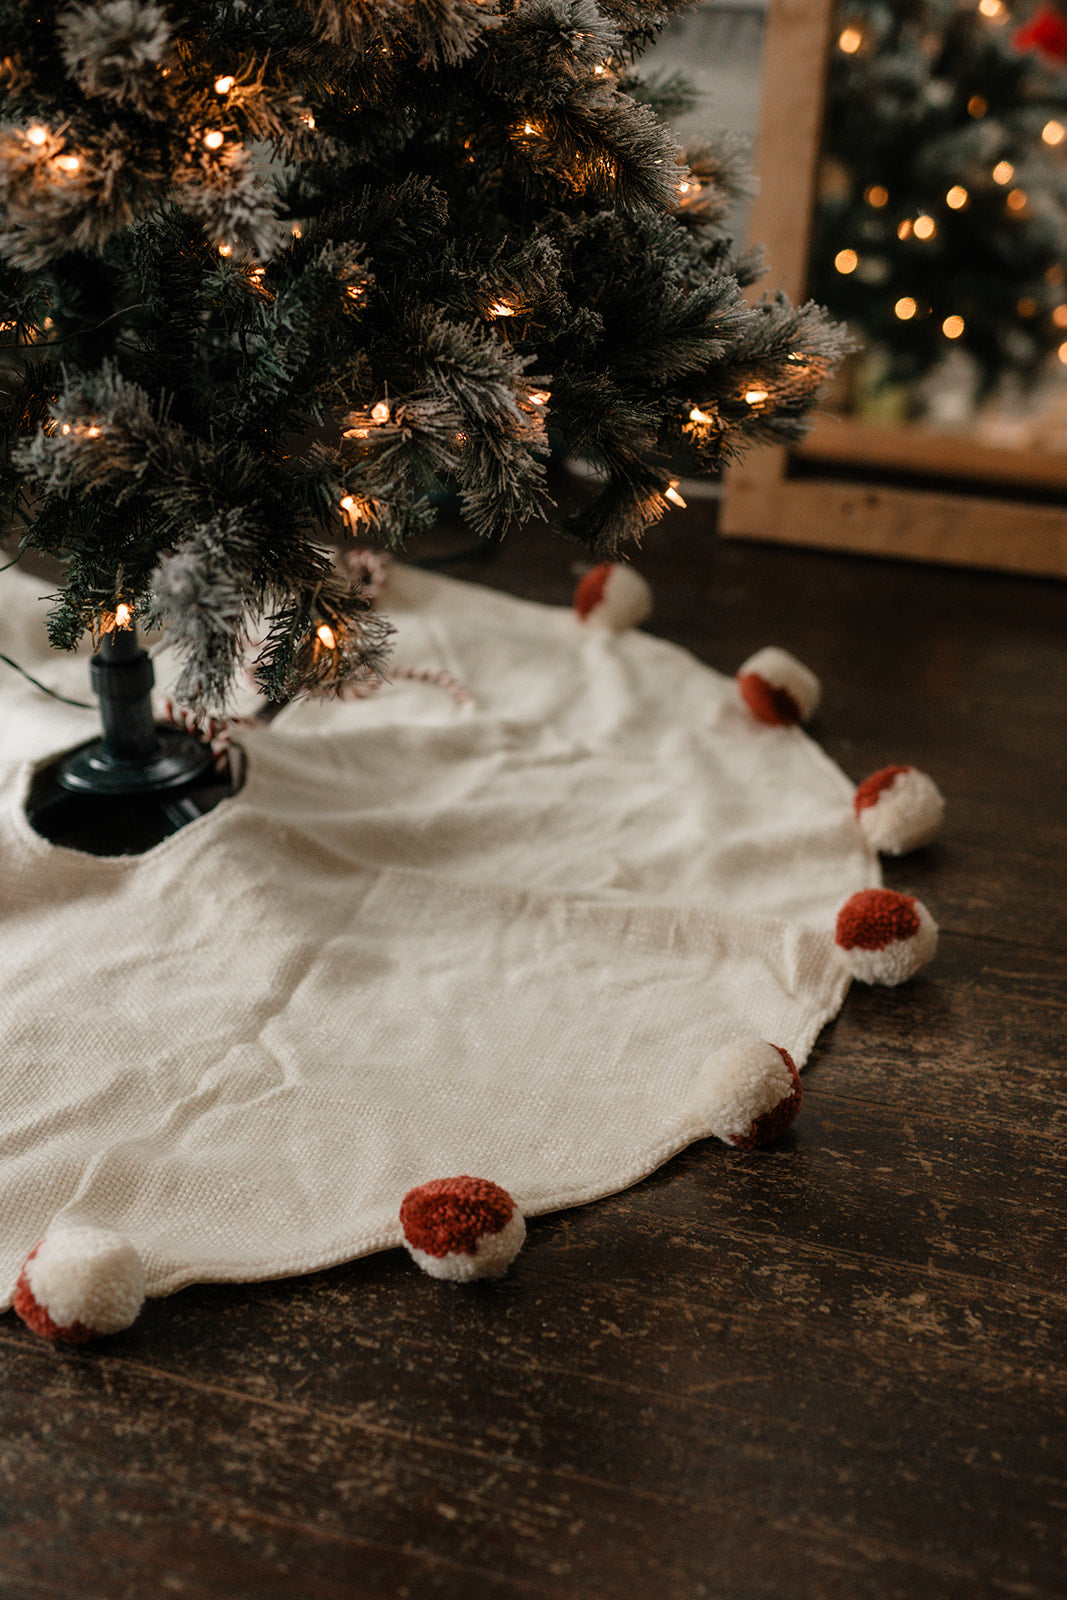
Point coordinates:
[(216, 732), (443, 680)]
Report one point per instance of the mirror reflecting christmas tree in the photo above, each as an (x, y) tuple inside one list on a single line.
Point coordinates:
[(941, 226)]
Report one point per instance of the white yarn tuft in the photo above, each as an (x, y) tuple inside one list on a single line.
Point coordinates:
[(740, 1083), (491, 1257), (87, 1276)]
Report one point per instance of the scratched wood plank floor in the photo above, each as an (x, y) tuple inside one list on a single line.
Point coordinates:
[(832, 1370)]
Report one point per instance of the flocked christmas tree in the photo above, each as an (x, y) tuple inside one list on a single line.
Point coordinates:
[(942, 223), (271, 271)]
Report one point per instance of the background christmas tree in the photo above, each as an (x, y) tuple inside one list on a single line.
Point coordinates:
[(942, 222), (270, 272)]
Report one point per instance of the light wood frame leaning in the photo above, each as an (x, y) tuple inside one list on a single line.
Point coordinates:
[(852, 485)]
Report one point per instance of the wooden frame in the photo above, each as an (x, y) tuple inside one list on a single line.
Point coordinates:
[(851, 485)]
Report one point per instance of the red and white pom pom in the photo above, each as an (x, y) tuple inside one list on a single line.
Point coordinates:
[(777, 688), (899, 809), (613, 596), (80, 1283), (462, 1228), (885, 937), (748, 1093)]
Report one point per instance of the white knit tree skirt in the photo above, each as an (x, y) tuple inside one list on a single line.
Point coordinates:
[(501, 935)]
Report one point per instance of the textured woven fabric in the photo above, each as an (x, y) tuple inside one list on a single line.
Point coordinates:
[(428, 937)]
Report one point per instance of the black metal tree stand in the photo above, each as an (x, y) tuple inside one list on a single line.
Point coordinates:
[(140, 781)]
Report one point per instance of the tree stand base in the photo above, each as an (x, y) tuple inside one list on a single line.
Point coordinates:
[(113, 818), (178, 761), (121, 794)]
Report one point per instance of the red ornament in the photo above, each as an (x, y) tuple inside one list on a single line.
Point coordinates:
[(1046, 32)]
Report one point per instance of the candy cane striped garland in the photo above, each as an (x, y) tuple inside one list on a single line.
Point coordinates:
[(443, 680), (210, 730)]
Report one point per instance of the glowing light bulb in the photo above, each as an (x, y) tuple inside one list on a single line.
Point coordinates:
[(348, 504), (65, 428), (94, 432), (68, 163), (1017, 200), (37, 135), (325, 635), (976, 106), (1059, 317), (991, 8), (297, 231), (225, 249), (698, 416), (501, 308), (905, 229), (1062, 353), (755, 397), (849, 40), (671, 494), (599, 70), (952, 327), (957, 197), (380, 413), (925, 227), (529, 128), (1054, 132), (1003, 172), (905, 308), (225, 84), (308, 119), (846, 261), (122, 616), (540, 397), (213, 138), (877, 195)]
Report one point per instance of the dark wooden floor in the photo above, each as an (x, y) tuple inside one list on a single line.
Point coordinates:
[(832, 1369)]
